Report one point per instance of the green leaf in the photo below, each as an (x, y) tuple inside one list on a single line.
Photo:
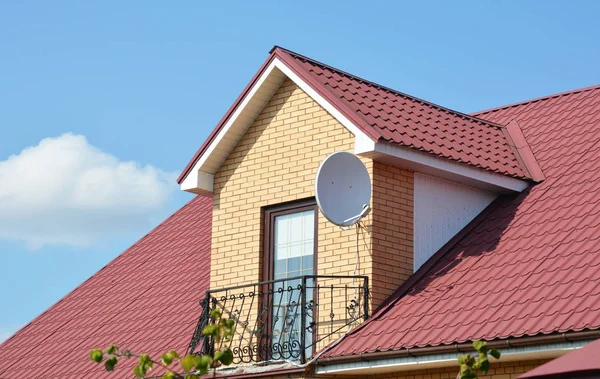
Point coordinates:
[(187, 363), (96, 355), (467, 373), (167, 358), (144, 358), (203, 371), (215, 314), (480, 346), (112, 349), (168, 375), (192, 376), (484, 366), (142, 370), (217, 355), (482, 357), (226, 357), (174, 354), (462, 359), (210, 330), (495, 353), (110, 363), (203, 362), (137, 370)]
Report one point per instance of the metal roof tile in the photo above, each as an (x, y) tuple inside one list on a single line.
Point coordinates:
[(532, 265), (130, 310)]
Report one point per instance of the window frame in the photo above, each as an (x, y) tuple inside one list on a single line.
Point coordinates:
[(269, 232)]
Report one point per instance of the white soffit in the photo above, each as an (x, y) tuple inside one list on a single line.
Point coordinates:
[(200, 178), (430, 164), (430, 361)]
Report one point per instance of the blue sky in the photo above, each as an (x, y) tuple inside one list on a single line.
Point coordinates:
[(103, 103)]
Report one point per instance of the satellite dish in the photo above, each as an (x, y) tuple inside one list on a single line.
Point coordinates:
[(343, 189)]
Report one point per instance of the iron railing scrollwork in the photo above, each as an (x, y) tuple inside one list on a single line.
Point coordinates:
[(284, 319)]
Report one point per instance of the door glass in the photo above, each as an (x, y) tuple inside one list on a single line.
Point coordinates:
[(293, 256)]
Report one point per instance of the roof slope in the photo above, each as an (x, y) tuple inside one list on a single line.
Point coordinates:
[(137, 301), (387, 115), (581, 363), (530, 264), (408, 121)]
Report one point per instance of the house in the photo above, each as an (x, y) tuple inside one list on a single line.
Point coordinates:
[(482, 227)]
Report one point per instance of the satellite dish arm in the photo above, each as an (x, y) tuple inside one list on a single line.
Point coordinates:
[(365, 211)]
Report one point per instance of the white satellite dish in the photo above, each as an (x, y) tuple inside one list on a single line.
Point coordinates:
[(343, 189)]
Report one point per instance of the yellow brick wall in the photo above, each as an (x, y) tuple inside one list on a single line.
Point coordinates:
[(275, 162), (392, 229)]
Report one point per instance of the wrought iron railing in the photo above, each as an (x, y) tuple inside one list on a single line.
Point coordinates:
[(285, 319)]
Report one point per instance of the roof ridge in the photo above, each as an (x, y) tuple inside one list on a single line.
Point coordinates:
[(546, 97), (387, 89)]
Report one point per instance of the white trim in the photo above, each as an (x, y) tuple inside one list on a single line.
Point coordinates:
[(194, 184), (426, 163), (363, 145), (200, 178), (198, 182), (272, 76), (546, 351)]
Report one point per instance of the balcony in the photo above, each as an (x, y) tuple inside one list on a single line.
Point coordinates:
[(285, 319)]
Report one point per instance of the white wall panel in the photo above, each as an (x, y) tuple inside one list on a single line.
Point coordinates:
[(442, 209)]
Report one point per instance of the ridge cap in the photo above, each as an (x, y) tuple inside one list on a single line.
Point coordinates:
[(536, 99), (382, 87)]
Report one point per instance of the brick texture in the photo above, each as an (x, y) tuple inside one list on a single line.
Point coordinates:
[(392, 229), (275, 162)]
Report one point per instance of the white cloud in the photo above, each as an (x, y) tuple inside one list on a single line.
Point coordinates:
[(7, 331), (66, 191)]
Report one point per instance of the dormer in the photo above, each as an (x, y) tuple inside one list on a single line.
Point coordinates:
[(432, 171)]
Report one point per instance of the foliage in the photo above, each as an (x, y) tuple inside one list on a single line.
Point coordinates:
[(192, 366), (470, 365)]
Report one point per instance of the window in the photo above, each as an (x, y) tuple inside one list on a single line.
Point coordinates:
[(290, 248), (290, 240)]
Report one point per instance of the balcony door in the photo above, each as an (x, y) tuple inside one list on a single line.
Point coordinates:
[(291, 238)]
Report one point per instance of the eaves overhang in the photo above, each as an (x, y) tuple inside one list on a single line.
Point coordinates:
[(513, 349), (198, 176)]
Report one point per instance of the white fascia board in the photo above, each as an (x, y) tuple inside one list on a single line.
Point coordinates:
[(321, 101), (197, 180), (427, 163), (200, 177), (379, 366)]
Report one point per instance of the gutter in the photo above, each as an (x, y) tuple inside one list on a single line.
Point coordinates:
[(463, 347), (285, 371)]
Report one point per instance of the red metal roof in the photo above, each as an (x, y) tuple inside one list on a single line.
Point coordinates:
[(388, 115), (580, 363), (529, 264), (147, 298)]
